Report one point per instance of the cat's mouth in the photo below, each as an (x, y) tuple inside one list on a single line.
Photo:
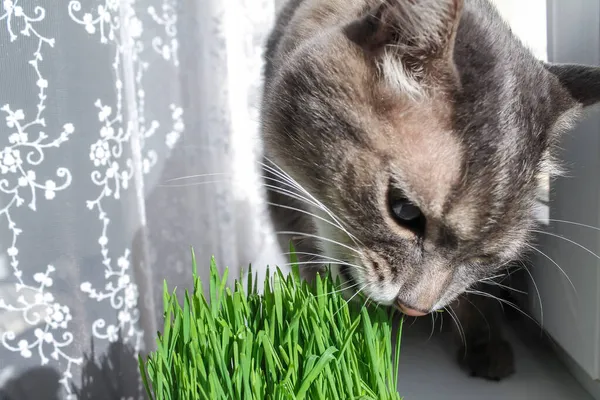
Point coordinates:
[(350, 281)]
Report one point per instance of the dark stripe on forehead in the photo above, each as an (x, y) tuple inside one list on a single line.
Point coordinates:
[(325, 98)]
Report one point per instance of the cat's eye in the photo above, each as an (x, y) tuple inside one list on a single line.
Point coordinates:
[(404, 210), (406, 213)]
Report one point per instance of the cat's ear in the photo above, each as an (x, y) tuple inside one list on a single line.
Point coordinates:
[(417, 29), (581, 81)]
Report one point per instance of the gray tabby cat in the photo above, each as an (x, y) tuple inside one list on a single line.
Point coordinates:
[(413, 134)]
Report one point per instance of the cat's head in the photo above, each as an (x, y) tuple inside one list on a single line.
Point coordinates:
[(425, 127)]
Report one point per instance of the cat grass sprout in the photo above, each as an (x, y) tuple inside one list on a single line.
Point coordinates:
[(293, 341)]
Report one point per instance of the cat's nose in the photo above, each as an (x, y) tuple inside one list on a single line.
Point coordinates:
[(410, 311)]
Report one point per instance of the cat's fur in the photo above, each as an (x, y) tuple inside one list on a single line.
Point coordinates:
[(437, 99)]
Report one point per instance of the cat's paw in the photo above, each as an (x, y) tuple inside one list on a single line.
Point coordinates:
[(489, 360)]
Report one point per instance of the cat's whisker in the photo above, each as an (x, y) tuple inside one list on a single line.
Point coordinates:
[(366, 303), (341, 289), (270, 187), (556, 264), (493, 277), (309, 235), (289, 193), (321, 205), (318, 262), (504, 287), (567, 240), (537, 291), (307, 213), (274, 188), (337, 261), (503, 301), (297, 196), (414, 320), (350, 299), (482, 314), (327, 260), (510, 270), (182, 178), (291, 188), (562, 221), (509, 273), (184, 185), (433, 320), (458, 325), (315, 204), (279, 172), (301, 198), (287, 180), (284, 179), (208, 175)]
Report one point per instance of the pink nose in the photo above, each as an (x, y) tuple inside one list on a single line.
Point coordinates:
[(410, 312)]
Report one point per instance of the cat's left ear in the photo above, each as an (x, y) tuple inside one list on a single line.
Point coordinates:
[(421, 29), (412, 41), (581, 81)]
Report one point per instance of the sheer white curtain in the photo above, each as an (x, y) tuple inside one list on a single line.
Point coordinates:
[(108, 109)]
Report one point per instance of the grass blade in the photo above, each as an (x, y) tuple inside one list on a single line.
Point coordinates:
[(293, 341)]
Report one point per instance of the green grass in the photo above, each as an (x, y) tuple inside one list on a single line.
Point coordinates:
[(293, 341)]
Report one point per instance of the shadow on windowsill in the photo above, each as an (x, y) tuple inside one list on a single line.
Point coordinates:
[(114, 375)]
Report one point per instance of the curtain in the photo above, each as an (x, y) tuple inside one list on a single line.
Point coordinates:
[(128, 133)]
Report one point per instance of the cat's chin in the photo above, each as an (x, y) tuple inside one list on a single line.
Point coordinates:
[(349, 285)]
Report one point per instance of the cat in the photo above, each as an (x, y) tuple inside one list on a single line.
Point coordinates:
[(404, 142)]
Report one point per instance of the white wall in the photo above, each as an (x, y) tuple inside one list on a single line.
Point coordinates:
[(527, 18), (572, 315)]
